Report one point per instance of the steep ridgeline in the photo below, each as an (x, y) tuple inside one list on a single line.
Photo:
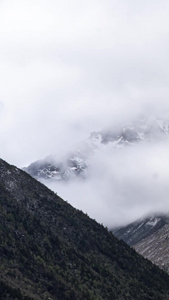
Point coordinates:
[(77, 163), (51, 251), (149, 237)]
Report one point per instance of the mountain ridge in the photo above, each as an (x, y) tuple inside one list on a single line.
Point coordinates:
[(77, 163), (136, 231), (49, 250), (149, 237)]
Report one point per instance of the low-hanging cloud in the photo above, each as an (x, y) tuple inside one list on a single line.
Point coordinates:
[(69, 68), (122, 184)]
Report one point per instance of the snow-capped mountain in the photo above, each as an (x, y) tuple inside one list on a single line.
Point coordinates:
[(141, 129), (49, 168), (76, 164)]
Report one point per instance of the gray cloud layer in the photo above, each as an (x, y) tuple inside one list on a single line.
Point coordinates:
[(123, 184), (68, 68)]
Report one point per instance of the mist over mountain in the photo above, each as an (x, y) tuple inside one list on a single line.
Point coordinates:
[(120, 172), (70, 69), (84, 109), (143, 129)]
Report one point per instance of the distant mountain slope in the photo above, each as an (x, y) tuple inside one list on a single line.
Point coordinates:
[(49, 250), (150, 238), (140, 229), (76, 163), (156, 247)]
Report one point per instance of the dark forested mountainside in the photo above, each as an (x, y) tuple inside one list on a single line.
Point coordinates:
[(49, 250)]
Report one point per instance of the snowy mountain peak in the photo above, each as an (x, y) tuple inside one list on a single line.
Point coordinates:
[(75, 164)]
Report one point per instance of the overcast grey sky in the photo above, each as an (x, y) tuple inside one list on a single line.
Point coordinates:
[(69, 67)]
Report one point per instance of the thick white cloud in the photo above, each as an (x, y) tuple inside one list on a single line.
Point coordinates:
[(123, 184), (68, 68)]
